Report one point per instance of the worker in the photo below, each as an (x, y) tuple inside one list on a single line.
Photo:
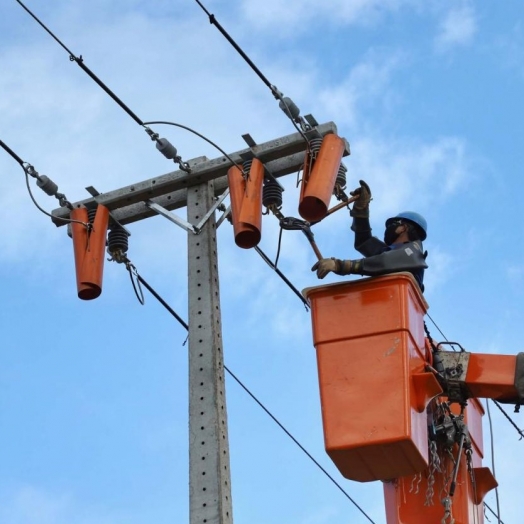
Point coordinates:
[(401, 250)]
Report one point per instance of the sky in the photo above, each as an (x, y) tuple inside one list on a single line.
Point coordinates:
[(93, 395)]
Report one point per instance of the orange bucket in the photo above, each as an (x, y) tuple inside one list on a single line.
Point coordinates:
[(369, 339)]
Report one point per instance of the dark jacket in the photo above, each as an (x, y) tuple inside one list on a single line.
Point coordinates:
[(381, 259)]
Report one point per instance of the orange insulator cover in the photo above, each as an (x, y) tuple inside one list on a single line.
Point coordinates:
[(89, 249), (369, 339), (246, 204), (412, 500), (319, 184)]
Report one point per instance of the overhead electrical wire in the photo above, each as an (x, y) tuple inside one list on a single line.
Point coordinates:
[(510, 420), (197, 134), (45, 183), (286, 104), (162, 144), (492, 447), (519, 431), (493, 513), (184, 324)]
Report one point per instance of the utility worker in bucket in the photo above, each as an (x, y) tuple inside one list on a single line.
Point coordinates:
[(401, 250)]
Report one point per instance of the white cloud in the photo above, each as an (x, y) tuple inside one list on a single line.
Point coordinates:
[(287, 17), (409, 173), (366, 85), (440, 270), (30, 505), (515, 274), (458, 28)]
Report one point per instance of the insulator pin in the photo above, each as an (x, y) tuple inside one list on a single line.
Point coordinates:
[(341, 177), (167, 148), (246, 165), (272, 194), (314, 146), (290, 108), (117, 243), (91, 214), (47, 185)]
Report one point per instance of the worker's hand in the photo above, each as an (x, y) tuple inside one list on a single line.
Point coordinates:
[(337, 266), (325, 266), (361, 205)]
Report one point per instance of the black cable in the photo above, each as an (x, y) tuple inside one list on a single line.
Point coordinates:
[(166, 148), (214, 21), (299, 445), (162, 301), (274, 91), (68, 220), (439, 330), (12, 153), (248, 391), (493, 458), (197, 134), (519, 431), (279, 246), (282, 276), (28, 169), (80, 62), (487, 506)]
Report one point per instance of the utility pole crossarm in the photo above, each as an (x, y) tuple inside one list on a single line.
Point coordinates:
[(282, 156)]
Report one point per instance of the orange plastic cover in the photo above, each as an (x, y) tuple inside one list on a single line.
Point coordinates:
[(317, 186), (369, 338), (246, 204), (89, 251)]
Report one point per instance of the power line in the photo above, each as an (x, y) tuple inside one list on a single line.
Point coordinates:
[(162, 144), (44, 183), (286, 104), (252, 395), (519, 431), (492, 447)]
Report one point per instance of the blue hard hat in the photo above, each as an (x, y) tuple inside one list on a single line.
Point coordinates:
[(414, 218)]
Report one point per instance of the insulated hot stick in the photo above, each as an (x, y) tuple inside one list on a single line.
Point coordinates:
[(342, 204), (295, 224)]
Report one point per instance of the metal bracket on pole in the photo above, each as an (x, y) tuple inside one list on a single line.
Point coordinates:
[(224, 216), (213, 208), (183, 223), (172, 217)]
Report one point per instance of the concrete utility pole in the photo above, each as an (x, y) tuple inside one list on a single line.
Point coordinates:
[(209, 472), (209, 476)]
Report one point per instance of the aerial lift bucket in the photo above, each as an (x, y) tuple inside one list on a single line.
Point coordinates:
[(89, 249), (408, 505), (317, 184), (370, 344), (246, 204)]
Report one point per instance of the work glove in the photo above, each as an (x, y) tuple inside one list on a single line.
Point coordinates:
[(337, 266), (361, 205)]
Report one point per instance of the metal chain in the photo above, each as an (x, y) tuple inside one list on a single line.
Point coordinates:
[(415, 483), (434, 466)]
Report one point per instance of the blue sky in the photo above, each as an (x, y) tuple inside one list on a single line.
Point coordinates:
[(93, 396)]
